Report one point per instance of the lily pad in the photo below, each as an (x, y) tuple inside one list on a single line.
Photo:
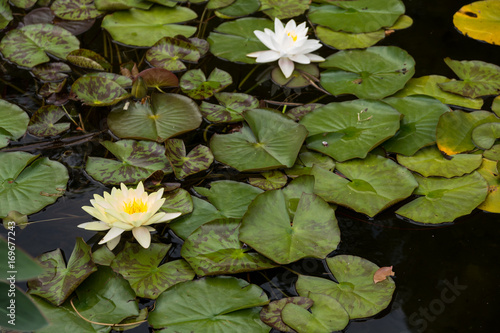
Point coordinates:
[(26, 267), (114, 5), (370, 185), (215, 4), (306, 160), (52, 71), (493, 153), (489, 171), (238, 8), (272, 180), (75, 10), (164, 116), (123, 81), (454, 130), (141, 268), (13, 122), (88, 59), (50, 88), (98, 91), (25, 4), (145, 27), (495, 106), (354, 289), (373, 73), (195, 84), (199, 158), (27, 46), (300, 111), (60, 280), (302, 76), (137, 160), (480, 20), (283, 9), (220, 304), (357, 16), (214, 248), (345, 40), (271, 138), (169, 53), (429, 85), (44, 121), (271, 313), (231, 108), (418, 126), (444, 200), (430, 161), (25, 178), (178, 201), (5, 14), (158, 78), (485, 135), (346, 130)]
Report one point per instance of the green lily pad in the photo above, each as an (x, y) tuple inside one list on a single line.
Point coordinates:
[(199, 158), (271, 138), (272, 180), (26, 267), (418, 126), (52, 71), (495, 106), (302, 76), (13, 122), (141, 268), (429, 85), (454, 130), (5, 14), (444, 200), (430, 161), (357, 16), (214, 248), (25, 178), (283, 9), (75, 10), (215, 4), (168, 53), (239, 32), (137, 160), (158, 78), (327, 315), (493, 153), (25, 4), (238, 8), (231, 108), (44, 121), (164, 116), (271, 313), (60, 280), (88, 59), (145, 27), (98, 91), (310, 230), (345, 40), (178, 201), (354, 289), (195, 84), (103, 256), (201, 44), (114, 5), (489, 171), (373, 73), (306, 160), (346, 130), (300, 111), (370, 185), (485, 135), (27, 46), (220, 304)]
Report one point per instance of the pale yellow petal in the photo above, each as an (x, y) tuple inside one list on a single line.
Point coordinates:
[(143, 236)]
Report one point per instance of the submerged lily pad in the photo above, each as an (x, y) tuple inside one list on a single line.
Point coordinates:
[(137, 160), (25, 178), (168, 53), (75, 10), (44, 121), (346, 130), (13, 122), (271, 313), (444, 200), (370, 185), (220, 304), (231, 108), (489, 171), (302, 76), (199, 158), (98, 91), (374, 73), (52, 71), (354, 289), (27, 46), (195, 84), (283, 9), (480, 20)]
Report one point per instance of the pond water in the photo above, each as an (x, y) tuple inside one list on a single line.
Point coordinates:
[(446, 276)]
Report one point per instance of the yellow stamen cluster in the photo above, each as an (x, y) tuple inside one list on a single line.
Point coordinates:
[(293, 35), (134, 206)]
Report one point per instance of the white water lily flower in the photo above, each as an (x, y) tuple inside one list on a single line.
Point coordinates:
[(126, 209), (289, 44)]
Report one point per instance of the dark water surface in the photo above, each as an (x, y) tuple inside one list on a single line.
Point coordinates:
[(447, 277)]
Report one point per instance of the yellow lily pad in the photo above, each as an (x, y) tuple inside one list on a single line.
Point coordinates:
[(489, 172), (480, 20)]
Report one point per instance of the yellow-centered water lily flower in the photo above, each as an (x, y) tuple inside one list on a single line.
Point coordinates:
[(287, 43), (127, 209)]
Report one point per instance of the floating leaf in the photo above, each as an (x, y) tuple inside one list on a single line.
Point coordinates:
[(231, 108), (164, 116), (346, 130), (306, 160), (197, 86), (480, 20), (201, 44), (25, 4), (428, 85), (271, 313), (495, 106), (137, 160), (103, 256), (52, 71), (272, 139), (301, 76), (43, 122), (123, 81), (238, 8), (27, 178), (418, 126), (199, 158), (382, 273), (375, 72), (444, 200), (145, 27), (50, 88), (430, 161), (354, 288), (493, 153), (98, 91), (141, 268), (215, 4), (75, 10), (283, 9), (220, 304), (485, 135), (214, 248), (25, 267), (300, 111), (13, 122), (344, 40), (159, 77), (489, 171), (168, 53), (5, 14), (27, 46), (370, 185), (59, 279), (113, 5), (272, 180), (88, 59), (178, 200)]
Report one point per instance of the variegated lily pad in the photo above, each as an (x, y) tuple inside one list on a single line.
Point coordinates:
[(123, 81), (199, 158), (485, 135), (169, 53), (52, 71), (300, 111), (495, 106), (302, 76), (23, 3), (158, 78), (75, 10), (49, 88), (272, 180), (271, 313), (98, 91), (13, 122), (137, 160), (238, 8), (27, 46), (178, 200), (114, 5), (489, 171), (88, 59), (283, 9), (44, 121), (231, 108), (5, 14), (195, 84), (444, 200)]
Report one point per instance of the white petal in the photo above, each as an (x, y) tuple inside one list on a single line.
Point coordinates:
[(286, 66), (279, 29), (308, 47), (315, 57), (112, 233), (162, 217), (290, 26), (143, 236), (265, 39), (113, 243), (254, 54), (268, 56), (300, 58), (96, 226)]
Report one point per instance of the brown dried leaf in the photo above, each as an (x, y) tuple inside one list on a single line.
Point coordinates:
[(382, 273)]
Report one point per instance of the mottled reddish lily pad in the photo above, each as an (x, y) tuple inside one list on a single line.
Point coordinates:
[(44, 121), (88, 59), (98, 91), (199, 158), (75, 10), (195, 84), (283, 9), (272, 180), (49, 88), (159, 77), (25, 4), (202, 45), (169, 53), (52, 71), (300, 111), (271, 313), (231, 108), (177, 201)]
